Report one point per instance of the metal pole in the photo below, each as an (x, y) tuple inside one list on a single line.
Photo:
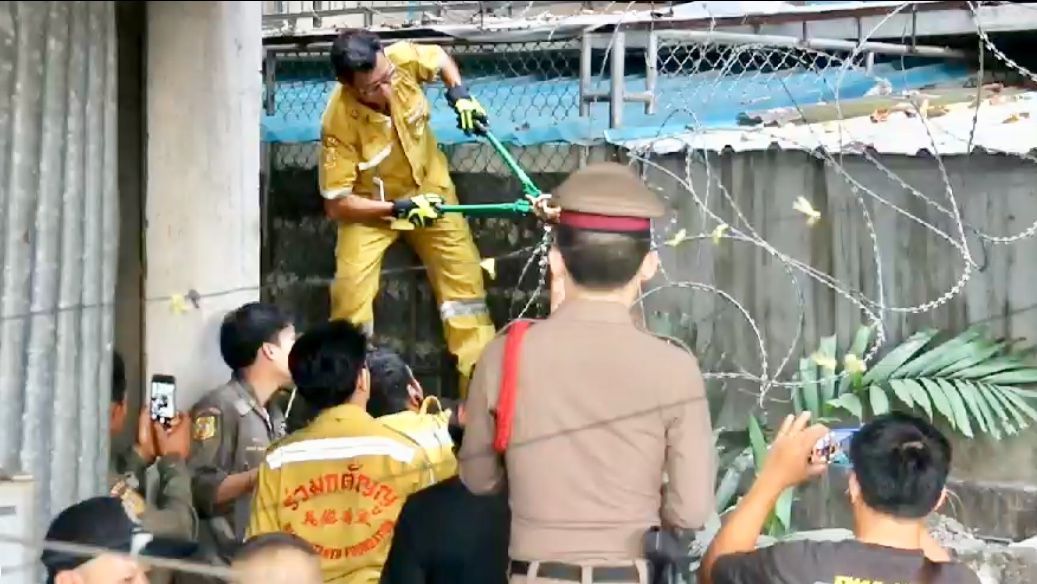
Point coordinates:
[(585, 74), (618, 70), (269, 77), (651, 72), (732, 38)]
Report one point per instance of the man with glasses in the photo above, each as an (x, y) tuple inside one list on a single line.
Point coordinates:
[(382, 173)]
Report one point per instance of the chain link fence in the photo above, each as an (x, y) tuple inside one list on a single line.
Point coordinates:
[(520, 85)]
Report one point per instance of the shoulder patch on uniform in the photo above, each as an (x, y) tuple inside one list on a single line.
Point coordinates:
[(204, 427)]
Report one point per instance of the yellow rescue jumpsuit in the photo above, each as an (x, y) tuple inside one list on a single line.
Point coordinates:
[(339, 483), (428, 429), (369, 154)]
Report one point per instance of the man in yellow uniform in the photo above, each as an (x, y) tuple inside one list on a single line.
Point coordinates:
[(398, 401), (382, 174), (338, 483)]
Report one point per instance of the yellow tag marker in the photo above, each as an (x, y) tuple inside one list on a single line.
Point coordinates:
[(678, 238), (719, 233), (803, 206), (490, 265), (178, 304)]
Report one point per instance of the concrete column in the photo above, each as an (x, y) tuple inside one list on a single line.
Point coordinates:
[(202, 219)]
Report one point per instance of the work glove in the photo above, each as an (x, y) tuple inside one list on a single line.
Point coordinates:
[(468, 110), (419, 211)]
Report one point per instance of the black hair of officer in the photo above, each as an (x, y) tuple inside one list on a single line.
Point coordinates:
[(901, 463), (600, 260), (390, 381), (326, 363), (245, 330), (354, 51)]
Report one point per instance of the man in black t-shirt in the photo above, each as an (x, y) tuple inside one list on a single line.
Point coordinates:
[(900, 465)]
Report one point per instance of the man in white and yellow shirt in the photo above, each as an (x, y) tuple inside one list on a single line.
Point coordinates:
[(340, 482), (398, 401), (382, 174)]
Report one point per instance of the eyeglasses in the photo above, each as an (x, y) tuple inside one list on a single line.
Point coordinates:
[(372, 88)]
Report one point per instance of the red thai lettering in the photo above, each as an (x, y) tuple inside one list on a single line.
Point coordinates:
[(347, 517), (365, 486), (287, 528), (362, 518), (317, 486), (310, 519), (329, 517), (331, 482), (289, 501), (348, 479), (385, 495), (300, 493), (336, 554), (377, 510)]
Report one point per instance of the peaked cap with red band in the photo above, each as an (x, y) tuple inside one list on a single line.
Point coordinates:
[(607, 197)]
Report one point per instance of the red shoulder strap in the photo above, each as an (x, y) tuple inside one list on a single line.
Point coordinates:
[(509, 383)]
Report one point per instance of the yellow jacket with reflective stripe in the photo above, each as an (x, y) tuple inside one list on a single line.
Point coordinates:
[(339, 483), (359, 144), (428, 429)]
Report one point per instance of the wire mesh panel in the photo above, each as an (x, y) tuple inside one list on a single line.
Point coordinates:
[(522, 86)]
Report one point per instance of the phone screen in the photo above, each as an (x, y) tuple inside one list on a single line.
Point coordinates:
[(163, 398)]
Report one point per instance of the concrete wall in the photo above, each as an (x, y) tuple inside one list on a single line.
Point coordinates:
[(202, 229)]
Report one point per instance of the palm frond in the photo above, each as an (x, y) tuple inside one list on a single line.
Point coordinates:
[(976, 384)]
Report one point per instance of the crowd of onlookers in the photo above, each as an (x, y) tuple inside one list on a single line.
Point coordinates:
[(594, 466)]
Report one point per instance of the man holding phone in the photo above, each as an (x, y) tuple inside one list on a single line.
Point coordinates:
[(172, 514), (900, 465), (233, 425)]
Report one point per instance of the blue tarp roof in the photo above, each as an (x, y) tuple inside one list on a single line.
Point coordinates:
[(528, 111)]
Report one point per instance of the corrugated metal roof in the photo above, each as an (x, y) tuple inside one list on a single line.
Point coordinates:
[(1005, 123), (528, 110)]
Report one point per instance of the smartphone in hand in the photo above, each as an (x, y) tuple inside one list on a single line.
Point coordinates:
[(162, 401), (834, 448)]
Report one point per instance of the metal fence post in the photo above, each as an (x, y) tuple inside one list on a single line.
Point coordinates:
[(269, 75), (586, 53), (618, 71), (651, 72)]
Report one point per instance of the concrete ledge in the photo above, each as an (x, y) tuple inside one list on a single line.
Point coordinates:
[(1001, 511)]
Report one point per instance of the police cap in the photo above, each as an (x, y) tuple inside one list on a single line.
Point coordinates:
[(607, 197)]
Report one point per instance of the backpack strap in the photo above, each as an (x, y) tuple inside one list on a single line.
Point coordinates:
[(509, 383)]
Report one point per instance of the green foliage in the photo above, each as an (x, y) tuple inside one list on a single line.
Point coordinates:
[(975, 384)]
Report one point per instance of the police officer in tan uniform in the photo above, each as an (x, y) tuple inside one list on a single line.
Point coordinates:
[(233, 425), (599, 411)]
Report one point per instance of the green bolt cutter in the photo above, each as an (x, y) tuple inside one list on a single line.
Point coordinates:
[(531, 193)]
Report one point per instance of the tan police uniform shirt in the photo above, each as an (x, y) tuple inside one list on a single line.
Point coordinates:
[(603, 410), (231, 431)]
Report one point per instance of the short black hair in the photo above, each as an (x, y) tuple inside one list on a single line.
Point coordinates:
[(272, 541), (390, 377), (601, 260), (354, 51), (245, 330), (326, 361), (901, 463), (118, 378)]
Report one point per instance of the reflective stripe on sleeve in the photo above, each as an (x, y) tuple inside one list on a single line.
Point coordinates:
[(376, 159)]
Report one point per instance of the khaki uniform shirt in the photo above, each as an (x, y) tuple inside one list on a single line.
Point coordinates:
[(171, 514), (230, 433), (339, 484), (603, 410)]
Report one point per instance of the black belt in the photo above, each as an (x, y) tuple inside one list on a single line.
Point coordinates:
[(574, 572)]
